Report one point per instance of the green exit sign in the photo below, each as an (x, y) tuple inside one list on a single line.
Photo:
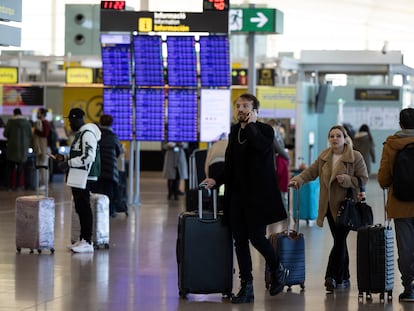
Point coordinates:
[(261, 20)]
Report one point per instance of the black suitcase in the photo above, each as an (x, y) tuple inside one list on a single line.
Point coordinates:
[(204, 252), (290, 246), (375, 261)]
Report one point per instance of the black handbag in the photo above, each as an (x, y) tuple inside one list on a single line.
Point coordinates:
[(352, 214)]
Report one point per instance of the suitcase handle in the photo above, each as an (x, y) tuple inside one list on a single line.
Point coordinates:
[(292, 193), (211, 192)]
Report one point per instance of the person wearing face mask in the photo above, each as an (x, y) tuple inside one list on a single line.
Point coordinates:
[(338, 168), (252, 199), (82, 155)]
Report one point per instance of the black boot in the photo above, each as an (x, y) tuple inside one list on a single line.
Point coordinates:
[(245, 294), (277, 280)]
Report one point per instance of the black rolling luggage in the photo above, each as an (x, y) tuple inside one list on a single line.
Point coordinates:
[(290, 246), (375, 260), (204, 252)]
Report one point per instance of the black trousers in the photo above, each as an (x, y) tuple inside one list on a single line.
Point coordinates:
[(19, 167), (404, 231), (107, 187), (243, 232), (338, 264), (81, 198)]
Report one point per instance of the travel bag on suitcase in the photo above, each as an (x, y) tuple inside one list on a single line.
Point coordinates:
[(290, 247), (375, 260), (100, 211), (204, 252), (35, 221)]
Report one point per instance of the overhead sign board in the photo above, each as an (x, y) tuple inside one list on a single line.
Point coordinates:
[(260, 20), (11, 10), (10, 36), (9, 75), (144, 22), (79, 75)]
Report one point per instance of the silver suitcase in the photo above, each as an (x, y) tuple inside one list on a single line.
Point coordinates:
[(35, 223), (100, 211)]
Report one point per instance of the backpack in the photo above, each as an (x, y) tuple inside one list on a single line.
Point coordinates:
[(403, 179)]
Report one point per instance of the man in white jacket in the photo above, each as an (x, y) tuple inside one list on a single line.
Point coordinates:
[(83, 155)]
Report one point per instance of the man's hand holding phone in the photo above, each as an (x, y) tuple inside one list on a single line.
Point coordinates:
[(252, 116)]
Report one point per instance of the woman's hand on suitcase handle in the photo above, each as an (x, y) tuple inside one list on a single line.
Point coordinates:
[(294, 184), (208, 183)]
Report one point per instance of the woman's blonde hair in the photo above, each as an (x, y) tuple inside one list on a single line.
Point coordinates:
[(348, 140)]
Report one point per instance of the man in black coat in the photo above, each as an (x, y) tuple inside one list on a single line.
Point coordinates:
[(252, 196), (110, 149)]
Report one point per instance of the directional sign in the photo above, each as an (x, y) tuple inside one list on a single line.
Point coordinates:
[(262, 20)]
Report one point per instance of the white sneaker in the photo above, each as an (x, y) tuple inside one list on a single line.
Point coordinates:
[(69, 247), (83, 247)]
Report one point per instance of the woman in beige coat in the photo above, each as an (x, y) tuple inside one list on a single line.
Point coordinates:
[(337, 168)]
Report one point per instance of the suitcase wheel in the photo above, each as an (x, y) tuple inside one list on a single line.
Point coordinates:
[(18, 249), (369, 296), (389, 296), (52, 250), (227, 295), (382, 297), (39, 251), (182, 294), (31, 251), (106, 246), (360, 297)]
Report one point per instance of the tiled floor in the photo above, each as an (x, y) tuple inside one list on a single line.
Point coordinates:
[(139, 270)]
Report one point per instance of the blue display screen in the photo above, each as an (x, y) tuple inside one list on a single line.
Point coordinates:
[(118, 103), (148, 61), (150, 114), (182, 115), (215, 61), (116, 64), (181, 61)]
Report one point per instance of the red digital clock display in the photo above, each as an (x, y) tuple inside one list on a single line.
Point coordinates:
[(113, 5), (216, 5)]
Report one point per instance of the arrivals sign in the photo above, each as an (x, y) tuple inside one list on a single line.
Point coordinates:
[(261, 20)]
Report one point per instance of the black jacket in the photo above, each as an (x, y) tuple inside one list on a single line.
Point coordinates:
[(263, 199), (110, 148)]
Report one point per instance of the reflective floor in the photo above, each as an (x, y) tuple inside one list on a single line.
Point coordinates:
[(139, 272)]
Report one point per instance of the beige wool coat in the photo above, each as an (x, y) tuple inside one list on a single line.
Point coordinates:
[(331, 192)]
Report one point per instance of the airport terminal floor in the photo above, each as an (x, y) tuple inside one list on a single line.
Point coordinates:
[(139, 270)]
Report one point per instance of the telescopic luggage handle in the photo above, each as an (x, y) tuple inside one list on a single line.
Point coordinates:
[(293, 192), (202, 187)]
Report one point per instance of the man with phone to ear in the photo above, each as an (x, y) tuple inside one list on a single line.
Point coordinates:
[(251, 198)]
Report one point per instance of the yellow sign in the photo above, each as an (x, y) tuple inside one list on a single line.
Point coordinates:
[(9, 75), (145, 24), (81, 75), (283, 97)]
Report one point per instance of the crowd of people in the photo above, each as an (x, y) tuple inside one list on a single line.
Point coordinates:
[(253, 166)]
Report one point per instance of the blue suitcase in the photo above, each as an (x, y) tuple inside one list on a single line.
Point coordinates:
[(290, 247), (309, 198)]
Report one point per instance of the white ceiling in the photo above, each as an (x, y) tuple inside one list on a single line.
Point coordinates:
[(343, 25)]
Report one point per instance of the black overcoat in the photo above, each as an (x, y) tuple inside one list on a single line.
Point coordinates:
[(263, 201)]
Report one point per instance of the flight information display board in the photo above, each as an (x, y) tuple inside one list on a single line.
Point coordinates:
[(150, 114), (182, 115), (116, 59), (181, 61), (148, 61), (215, 61), (118, 103)]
